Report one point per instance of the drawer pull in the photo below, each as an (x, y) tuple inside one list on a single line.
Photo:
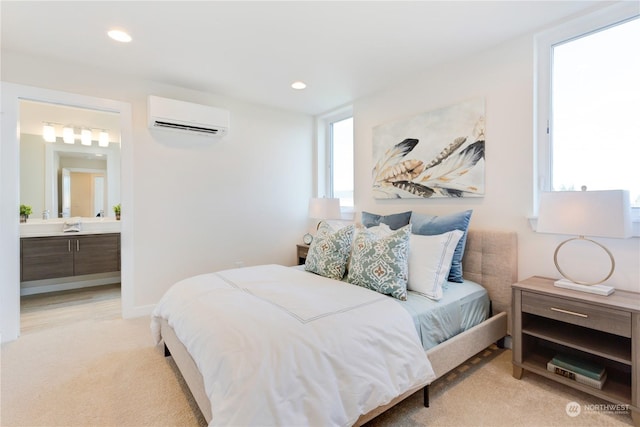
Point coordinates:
[(573, 313)]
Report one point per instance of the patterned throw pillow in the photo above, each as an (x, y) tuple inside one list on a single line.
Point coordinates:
[(380, 262), (329, 251)]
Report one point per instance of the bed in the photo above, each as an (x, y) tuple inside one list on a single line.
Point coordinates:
[(490, 259)]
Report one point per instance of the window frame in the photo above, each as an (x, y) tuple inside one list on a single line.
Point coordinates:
[(544, 43), (324, 185)]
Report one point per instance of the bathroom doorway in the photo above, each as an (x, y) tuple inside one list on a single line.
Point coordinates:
[(12, 95)]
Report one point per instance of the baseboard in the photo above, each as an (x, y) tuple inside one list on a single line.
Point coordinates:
[(64, 284)]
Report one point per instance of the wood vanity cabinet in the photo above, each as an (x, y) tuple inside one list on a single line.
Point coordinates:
[(63, 256)]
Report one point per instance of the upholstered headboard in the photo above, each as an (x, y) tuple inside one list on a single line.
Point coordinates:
[(491, 259)]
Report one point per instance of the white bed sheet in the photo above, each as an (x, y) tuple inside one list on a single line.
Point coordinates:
[(279, 346)]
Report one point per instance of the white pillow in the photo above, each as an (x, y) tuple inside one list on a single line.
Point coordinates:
[(429, 262)]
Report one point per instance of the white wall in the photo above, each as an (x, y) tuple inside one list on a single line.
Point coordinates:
[(504, 77), (198, 205)]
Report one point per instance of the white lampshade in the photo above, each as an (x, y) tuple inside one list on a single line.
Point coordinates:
[(49, 132), (103, 138), (68, 135), (324, 208), (604, 213), (85, 136)]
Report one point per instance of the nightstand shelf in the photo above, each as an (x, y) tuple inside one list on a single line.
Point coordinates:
[(583, 339), (548, 321), (302, 251), (615, 389)]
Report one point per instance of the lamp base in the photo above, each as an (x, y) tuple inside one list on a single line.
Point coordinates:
[(592, 289)]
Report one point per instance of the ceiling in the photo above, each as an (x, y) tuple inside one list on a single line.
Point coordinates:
[(255, 50)]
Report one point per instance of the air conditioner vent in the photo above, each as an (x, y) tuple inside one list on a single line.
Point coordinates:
[(178, 126)]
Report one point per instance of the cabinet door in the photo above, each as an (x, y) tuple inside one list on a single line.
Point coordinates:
[(45, 258), (97, 253)]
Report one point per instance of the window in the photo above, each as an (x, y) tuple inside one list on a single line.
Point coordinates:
[(335, 158), (589, 104), (341, 161)]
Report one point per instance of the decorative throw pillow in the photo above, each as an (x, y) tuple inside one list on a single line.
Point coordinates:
[(394, 221), (329, 251), (381, 263), (429, 225), (429, 262)]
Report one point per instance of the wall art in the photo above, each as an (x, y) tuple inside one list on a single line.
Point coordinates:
[(434, 154)]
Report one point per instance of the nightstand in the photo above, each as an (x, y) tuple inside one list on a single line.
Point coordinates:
[(604, 329), (302, 253)]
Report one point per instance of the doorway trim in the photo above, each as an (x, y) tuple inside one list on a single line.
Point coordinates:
[(11, 95)]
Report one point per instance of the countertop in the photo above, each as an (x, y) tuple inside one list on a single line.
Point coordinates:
[(54, 227)]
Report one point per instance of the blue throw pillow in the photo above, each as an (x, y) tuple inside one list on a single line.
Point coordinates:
[(429, 225), (394, 221)]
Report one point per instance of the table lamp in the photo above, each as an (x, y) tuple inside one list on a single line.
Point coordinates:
[(321, 208), (604, 213)]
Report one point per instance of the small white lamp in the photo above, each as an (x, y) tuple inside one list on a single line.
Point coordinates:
[(324, 208), (320, 209), (585, 213)]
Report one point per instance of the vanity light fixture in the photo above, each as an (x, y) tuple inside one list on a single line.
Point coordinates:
[(49, 132), (85, 136), (68, 135), (103, 138), (119, 35)]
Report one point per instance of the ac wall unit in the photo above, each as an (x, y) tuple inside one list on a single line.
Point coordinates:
[(181, 116)]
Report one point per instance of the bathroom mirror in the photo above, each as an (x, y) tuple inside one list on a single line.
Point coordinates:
[(68, 179)]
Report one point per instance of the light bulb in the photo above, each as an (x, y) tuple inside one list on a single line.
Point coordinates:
[(68, 136), (103, 138), (49, 132), (85, 136)]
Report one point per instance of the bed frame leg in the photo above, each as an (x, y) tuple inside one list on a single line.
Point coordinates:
[(425, 394), (167, 353), (500, 342)]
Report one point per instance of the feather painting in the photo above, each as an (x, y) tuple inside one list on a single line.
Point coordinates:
[(440, 154)]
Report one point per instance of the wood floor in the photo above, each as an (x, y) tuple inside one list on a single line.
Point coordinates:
[(42, 311)]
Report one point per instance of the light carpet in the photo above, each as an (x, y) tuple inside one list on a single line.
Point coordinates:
[(108, 373)]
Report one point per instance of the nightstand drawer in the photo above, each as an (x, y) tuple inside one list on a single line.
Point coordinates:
[(592, 316)]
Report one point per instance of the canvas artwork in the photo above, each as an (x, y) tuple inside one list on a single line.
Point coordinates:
[(435, 154)]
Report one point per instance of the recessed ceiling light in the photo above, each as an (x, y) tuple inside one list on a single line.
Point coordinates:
[(298, 85), (120, 36)]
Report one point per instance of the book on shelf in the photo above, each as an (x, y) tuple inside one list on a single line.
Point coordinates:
[(579, 378), (579, 366)]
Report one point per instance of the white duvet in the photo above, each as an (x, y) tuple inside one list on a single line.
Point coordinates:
[(279, 346)]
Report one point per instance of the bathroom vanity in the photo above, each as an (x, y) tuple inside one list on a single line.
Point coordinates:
[(66, 256), (51, 259)]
